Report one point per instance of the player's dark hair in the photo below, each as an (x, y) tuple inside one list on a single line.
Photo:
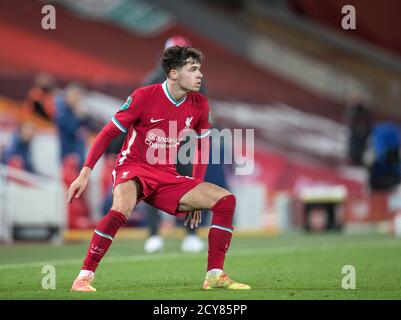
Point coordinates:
[(176, 57)]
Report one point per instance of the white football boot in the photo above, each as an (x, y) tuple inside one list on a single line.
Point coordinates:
[(192, 243), (153, 244)]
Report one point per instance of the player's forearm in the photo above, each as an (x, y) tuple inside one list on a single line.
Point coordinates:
[(99, 146), (85, 172)]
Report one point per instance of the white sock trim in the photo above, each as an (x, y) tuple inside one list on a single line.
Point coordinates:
[(214, 272), (86, 273), (104, 235), (221, 228)]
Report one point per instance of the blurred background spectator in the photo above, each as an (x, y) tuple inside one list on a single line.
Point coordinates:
[(40, 98), (18, 153), (73, 129), (383, 156), (191, 243), (71, 121), (359, 123)]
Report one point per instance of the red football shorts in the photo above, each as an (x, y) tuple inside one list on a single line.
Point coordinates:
[(161, 187)]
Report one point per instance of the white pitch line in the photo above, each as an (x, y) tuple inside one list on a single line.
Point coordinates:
[(232, 252), (74, 261), (159, 256)]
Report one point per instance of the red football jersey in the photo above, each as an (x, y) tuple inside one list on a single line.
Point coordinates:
[(156, 124)]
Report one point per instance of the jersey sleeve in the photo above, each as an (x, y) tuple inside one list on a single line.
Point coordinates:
[(102, 141), (128, 115), (130, 112)]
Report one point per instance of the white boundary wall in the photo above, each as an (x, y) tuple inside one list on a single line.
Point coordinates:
[(37, 201)]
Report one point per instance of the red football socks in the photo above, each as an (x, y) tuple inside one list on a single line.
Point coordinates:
[(220, 234), (102, 238), (220, 231)]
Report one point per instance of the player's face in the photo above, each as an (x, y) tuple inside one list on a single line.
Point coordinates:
[(189, 76)]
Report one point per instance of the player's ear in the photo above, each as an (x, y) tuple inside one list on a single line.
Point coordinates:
[(173, 74)]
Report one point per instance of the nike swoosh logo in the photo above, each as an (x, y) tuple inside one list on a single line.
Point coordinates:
[(94, 252), (155, 120)]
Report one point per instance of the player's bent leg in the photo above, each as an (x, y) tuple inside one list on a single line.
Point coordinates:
[(124, 199), (204, 196), (222, 203), (125, 196)]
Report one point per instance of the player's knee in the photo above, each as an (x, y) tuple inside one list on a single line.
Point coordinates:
[(223, 211), (217, 195), (123, 207), (228, 201), (231, 199), (124, 198)]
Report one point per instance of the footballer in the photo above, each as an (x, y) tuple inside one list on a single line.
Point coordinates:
[(144, 171)]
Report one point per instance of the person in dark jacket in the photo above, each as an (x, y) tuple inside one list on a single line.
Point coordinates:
[(73, 126), (20, 147), (191, 243), (39, 100), (71, 121), (359, 121)]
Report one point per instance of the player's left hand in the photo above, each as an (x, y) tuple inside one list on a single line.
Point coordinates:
[(194, 218)]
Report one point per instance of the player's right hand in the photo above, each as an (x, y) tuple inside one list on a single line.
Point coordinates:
[(194, 218), (76, 188)]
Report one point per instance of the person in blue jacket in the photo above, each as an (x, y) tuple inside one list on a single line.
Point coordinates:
[(21, 146), (71, 121)]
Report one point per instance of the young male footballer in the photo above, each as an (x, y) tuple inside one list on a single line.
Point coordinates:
[(145, 168)]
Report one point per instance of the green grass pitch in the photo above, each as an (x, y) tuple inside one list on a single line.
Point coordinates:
[(277, 267)]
